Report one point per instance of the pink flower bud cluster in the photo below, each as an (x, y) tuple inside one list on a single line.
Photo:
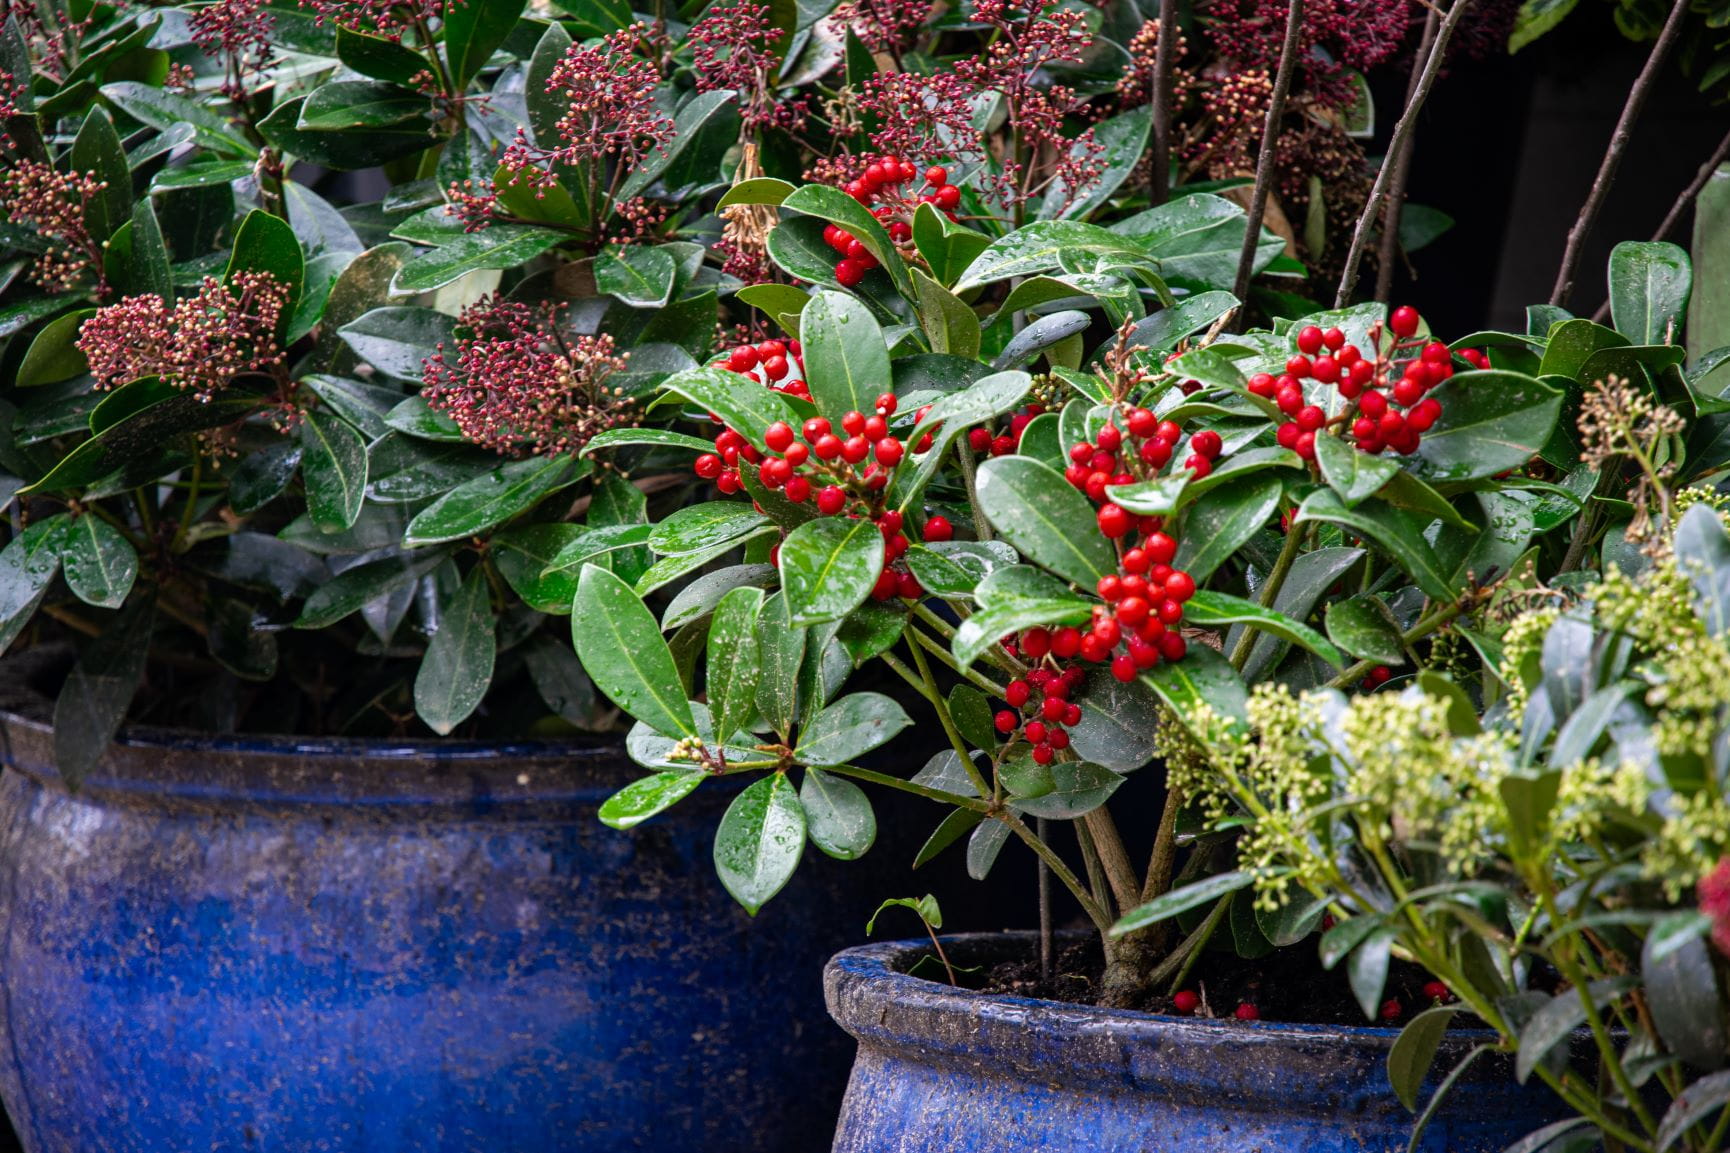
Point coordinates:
[(387, 18), (518, 385), (733, 47), (200, 345), (610, 109), (237, 32), (884, 25), (50, 203)]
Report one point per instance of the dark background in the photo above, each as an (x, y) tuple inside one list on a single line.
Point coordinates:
[(1508, 147)]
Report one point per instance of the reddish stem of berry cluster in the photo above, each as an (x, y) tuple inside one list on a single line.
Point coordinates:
[(881, 188)]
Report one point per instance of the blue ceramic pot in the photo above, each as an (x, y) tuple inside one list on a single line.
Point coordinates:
[(943, 1070), (255, 944)]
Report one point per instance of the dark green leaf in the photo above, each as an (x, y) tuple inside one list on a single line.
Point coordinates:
[(1181, 900), (649, 796), (1036, 510), (1414, 1051), (333, 468), (761, 838), (1395, 531), (1557, 1019), (498, 246), (838, 816), (846, 361), (378, 57), (99, 562), (620, 645), (1692, 1106), (354, 588), (1367, 970), (93, 701), (474, 31), (1207, 608), (479, 504), (458, 666), (734, 666), (637, 274), (828, 568), (853, 725), (1364, 627), (1201, 677), (97, 152), (1649, 284), (1354, 475), (1223, 521)]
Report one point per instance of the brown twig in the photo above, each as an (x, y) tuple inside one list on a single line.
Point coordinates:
[(1389, 252), (1165, 52), (1613, 154), (1269, 143), (1683, 203), (1402, 131)]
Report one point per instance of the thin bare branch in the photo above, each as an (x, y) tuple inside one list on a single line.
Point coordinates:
[(1389, 253), (1269, 145), (1402, 131), (1613, 154), (1165, 54), (1684, 202)]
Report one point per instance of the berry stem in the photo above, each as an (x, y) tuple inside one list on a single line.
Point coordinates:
[(1613, 154), (1407, 125), (1264, 173)]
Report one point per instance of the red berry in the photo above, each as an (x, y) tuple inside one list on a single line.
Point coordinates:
[(1035, 643), (1309, 340), (1327, 369), (1052, 707), (1262, 384), (728, 482), (831, 500), (848, 273), (937, 176), (1404, 321), (855, 449), (1186, 1002), (1247, 1012), (1392, 1010), (1072, 713), (948, 196), (1334, 339), (908, 587), (938, 528), (1436, 352), (1373, 405), (742, 359), (1172, 646), (709, 466), (1310, 417), (1207, 442), (1305, 446), (797, 489), (1035, 732), (1042, 754), (1436, 991), (1179, 586), (1286, 435), (1141, 423), (979, 439), (1113, 521), (1407, 392), (1017, 693), (778, 436), (1065, 643), (1155, 452), (1110, 439), (1424, 414), (1298, 366), (1198, 464), (889, 452)]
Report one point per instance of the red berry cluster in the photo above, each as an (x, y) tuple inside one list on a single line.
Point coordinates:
[(986, 442), (819, 464), (1144, 599), (1390, 409), (1376, 678), (881, 187), (772, 363), (1039, 706)]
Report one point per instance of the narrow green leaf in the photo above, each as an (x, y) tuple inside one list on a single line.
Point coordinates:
[(760, 841), (734, 667), (100, 563), (333, 467), (649, 796), (850, 727), (1208, 608), (458, 666), (1414, 1051), (620, 645), (1181, 901)]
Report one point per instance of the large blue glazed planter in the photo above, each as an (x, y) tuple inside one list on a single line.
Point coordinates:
[(944, 1070), (252, 944)]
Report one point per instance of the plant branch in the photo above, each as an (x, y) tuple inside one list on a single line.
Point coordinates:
[(1613, 154), (1062, 872), (1269, 145), (1389, 253), (1402, 132), (1164, 860), (1165, 54), (1684, 201), (1288, 555), (1113, 858)]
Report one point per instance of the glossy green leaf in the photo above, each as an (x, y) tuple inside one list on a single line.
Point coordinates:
[(457, 668), (782, 645), (950, 325), (846, 361), (850, 727), (838, 816), (1364, 627), (1208, 609), (1193, 896), (1036, 510), (620, 646), (333, 467), (1223, 521), (1557, 1019), (524, 556), (377, 57), (1491, 421), (1414, 1051), (1060, 791), (743, 404), (473, 32), (1649, 285), (266, 243), (344, 105), (734, 666), (1354, 475), (164, 110), (1367, 970), (479, 504), (1397, 533), (828, 567), (639, 275), (588, 543), (53, 356), (699, 114), (354, 588), (762, 190), (1012, 599), (699, 527), (97, 151), (760, 841), (649, 796), (1041, 247), (498, 246), (947, 247), (99, 562), (27, 567), (826, 202)]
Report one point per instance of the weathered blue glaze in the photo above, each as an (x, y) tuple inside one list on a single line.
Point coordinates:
[(369, 948), (943, 1070)]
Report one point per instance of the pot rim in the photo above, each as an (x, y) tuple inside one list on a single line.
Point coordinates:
[(871, 996)]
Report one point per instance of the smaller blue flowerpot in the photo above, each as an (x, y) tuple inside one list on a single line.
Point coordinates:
[(948, 1070)]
